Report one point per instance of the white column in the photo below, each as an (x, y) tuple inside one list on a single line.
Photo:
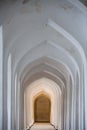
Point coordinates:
[(15, 100), (25, 121), (68, 98), (72, 102), (9, 93), (18, 106), (85, 84), (1, 75)]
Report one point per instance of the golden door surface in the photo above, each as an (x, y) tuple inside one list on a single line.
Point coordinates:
[(42, 107)]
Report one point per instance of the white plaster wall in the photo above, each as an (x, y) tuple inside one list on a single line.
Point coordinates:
[(27, 25), (1, 78)]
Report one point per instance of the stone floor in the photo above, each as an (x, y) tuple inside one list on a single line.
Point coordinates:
[(42, 126)]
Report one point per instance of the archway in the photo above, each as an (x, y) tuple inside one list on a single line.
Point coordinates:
[(54, 67), (42, 108), (64, 62), (42, 89)]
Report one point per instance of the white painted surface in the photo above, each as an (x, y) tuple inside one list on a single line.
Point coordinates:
[(29, 35), (1, 77), (9, 93)]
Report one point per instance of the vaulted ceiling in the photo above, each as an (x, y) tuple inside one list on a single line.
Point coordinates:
[(45, 38), (84, 2)]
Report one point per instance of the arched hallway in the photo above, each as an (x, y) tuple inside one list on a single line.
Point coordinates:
[(43, 70)]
